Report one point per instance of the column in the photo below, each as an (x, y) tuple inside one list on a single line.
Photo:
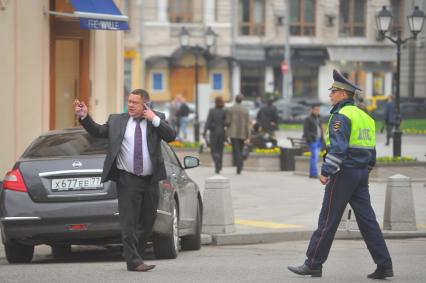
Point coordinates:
[(236, 80), (162, 11), (388, 83), (209, 12), (369, 84), (269, 79)]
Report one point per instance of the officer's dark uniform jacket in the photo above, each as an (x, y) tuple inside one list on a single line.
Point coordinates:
[(340, 152)]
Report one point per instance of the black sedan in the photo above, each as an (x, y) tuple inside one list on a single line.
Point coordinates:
[(54, 196)]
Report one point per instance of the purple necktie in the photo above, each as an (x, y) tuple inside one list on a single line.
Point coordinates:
[(137, 152)]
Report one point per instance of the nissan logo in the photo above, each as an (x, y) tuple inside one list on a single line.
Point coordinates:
[(77, 164)]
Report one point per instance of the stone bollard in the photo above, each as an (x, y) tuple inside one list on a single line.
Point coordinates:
[(218, 213), (399, 206), (348, 221)]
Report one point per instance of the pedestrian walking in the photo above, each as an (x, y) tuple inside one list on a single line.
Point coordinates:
[(174, 109), (134, 162), (215, 126), (390, 117), (350, 140), (183, 114), (267, 119), (238, 130), (313, 134)]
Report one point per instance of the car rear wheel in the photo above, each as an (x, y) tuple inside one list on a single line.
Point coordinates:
[(193, 242), (61, 250), (167, 246), (18, 253)]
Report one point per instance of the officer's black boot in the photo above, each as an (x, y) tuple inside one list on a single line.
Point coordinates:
[(381, 273), (306, 270)]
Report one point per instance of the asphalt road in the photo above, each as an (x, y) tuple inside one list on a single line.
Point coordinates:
[(349, 261)]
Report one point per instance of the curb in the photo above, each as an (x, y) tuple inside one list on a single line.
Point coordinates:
[(285, 236)]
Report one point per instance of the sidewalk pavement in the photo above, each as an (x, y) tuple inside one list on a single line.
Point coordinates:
[(281, 206)]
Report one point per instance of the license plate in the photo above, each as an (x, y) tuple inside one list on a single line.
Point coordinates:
[(71, 184)]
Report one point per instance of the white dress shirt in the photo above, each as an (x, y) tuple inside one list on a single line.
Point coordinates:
[(125, 156)]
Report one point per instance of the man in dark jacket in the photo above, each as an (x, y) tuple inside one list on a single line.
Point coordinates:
[(312, 132), (134, 161), (390, 117), (215, 125), (267, 118)]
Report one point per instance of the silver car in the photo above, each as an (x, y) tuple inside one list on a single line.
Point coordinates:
[(53, 195)]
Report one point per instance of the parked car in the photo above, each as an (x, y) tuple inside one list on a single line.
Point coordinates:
[(164, 107), (291, 111), (409, 110), (54, 196)]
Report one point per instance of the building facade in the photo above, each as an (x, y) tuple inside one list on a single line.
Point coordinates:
[(46, 62), (155, 60), (251, 37)]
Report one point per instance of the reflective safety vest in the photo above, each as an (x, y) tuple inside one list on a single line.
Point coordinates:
[(363, 128)]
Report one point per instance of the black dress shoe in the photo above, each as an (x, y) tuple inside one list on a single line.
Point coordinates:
[(306, 270), (142, 268), (381, 273)]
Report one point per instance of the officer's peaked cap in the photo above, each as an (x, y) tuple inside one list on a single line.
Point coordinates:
[(340, 82)]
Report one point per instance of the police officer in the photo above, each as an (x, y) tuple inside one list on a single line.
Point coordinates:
[(350, 140)]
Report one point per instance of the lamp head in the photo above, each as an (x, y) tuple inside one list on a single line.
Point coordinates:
[(383, 20), (210, 37), (416, 21), (184, 37)]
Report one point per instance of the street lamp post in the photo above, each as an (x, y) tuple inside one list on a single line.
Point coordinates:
[(415, 23), (210, 40)]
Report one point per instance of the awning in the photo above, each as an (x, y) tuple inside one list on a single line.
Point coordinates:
[(97, 14), (362, 54)]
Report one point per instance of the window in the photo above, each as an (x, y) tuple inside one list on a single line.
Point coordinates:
[(352, 17), (305, 81), (217, 81), (302, 17), (252, 17), (157, 82), (397, 10), (185, 11), (66, 144), (252, 80)]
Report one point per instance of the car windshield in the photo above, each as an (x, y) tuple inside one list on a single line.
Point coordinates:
[(66, 144)]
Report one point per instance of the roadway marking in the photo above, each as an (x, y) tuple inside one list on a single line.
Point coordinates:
[(265, 224)]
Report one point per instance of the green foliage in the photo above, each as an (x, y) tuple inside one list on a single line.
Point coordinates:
[(398, 159), (179, 144)]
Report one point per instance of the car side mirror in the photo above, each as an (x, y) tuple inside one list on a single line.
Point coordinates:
[(190, 162)]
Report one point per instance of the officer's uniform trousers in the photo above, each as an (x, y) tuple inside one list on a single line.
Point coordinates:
[(349, 185)]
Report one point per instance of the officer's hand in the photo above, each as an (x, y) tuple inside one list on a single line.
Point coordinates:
[(324, 180)]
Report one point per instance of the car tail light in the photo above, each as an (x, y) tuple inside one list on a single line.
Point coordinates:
[(14, 181)]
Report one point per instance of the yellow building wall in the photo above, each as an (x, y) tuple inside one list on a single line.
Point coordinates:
[(24, 77)]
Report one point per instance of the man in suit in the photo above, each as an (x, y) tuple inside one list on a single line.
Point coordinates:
[(238, 130), (134, 161)]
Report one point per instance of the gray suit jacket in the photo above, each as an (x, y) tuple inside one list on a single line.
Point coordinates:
[(114, 130), (238, 122)]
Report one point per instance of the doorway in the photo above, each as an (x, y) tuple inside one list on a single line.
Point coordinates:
[(69, 71), (67, 66)]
